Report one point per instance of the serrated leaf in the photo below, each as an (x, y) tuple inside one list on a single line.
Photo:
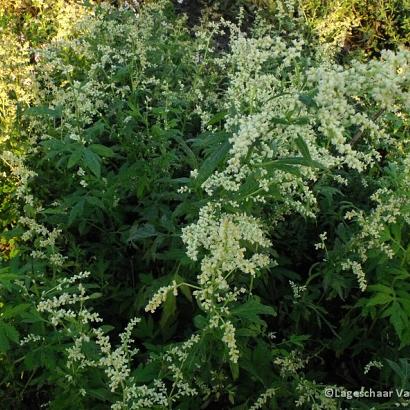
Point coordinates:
[(8, 333), (92, 162), (405, 303), (146, 373), (200, 321), (289, 164), (279, 120), (299, 339), (208, 139), (4, 341), (301, 161), (95, 130), (186, 291), (190, 156), (102, 150), (303, 148), (11, 332), (398, 318), (381, 288), (43, 110), (379, 299), (212, 163), (14, 311), (396, 368), (244, 332), (217, 118), (107, 328), (283, 167), (248, 187), (7, 277), (252, 309), (74, 159), (234, 370), (137, 233), (76, 211), (168, 309), (175, 255), (31, 360), (100, 394), (308, 100), (92, 200)]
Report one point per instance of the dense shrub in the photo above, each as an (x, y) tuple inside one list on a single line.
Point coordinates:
[(205, 218), (359, 28)]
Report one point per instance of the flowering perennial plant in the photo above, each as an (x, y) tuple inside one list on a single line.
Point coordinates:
[(237, 202)]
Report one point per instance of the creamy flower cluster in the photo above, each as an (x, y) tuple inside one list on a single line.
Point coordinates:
[(312, 394), (391, 207), (160, 297), (263, 399), (373, 363), (290, 364), (56, 306), (223, 240)]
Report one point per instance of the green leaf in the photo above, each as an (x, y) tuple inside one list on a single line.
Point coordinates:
[(94, 201), (398, 318), (122, 74), (299, 339), (31, 317), (208, 139), (147, 373), (234, 370), (8, 333), (302, 120), (379, 299), (169, 308), (279, 120), (303, 148), (212, 162), (6, 278), (92, 161), (289, 164), (248, 187), (43, 110), (10, 312), (11, 332), (95, 295), (217, 118), (308, 100), (301, 161), (190, 156), (200, 321), (281, 166), (96, 130), (381, 288), (137, 233), (252, 309), (107, 328), (245, 332), (174, 254), (100, 393), (402, 369), (186, 291), (32, 360), (102, 150), (405, 302), (75, 158), (76, 211)]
